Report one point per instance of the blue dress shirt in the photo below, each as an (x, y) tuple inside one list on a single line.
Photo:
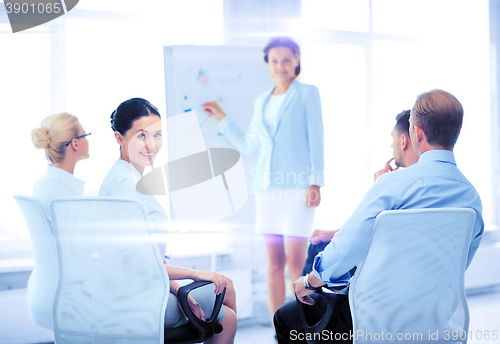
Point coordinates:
[(433, 182)]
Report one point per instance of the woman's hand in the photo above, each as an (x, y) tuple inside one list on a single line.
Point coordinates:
[(195, 306), (313, 196), (212, 108), (218, 279)]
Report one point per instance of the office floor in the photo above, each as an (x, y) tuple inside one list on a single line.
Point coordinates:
[(484, 306), (484, 309), (484, 315)]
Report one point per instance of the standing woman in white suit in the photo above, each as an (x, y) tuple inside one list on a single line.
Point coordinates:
[(64, 141), (287, 126)]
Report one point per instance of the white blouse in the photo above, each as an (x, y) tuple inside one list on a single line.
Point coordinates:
[(121, 181), (271, 110), (42, 283), (56, 183)]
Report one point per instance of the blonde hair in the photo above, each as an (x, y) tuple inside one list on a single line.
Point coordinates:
[(54, 133)]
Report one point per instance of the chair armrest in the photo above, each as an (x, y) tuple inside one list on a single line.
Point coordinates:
[(331, 298), (207, 326)]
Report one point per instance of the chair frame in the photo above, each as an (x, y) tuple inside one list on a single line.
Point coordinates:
[(206, 328), (44, 247), (197, 330), (310, 330), (464, 250)]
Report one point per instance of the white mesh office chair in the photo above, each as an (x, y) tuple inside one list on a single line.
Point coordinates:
[(42, 283), (113, 286), (412, 279)]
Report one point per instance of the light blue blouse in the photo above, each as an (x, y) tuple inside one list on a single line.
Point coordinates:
[(433, 182), (294, 155), (121, 181)]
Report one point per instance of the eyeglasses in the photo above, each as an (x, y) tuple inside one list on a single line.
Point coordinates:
[(78, 137)]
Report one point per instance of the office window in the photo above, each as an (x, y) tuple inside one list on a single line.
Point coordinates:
[(409, 18), (456, 60), (411, 47), (107, 63), (194, 22), (339, 72), (346, 15), (106, 52), (25, 89)]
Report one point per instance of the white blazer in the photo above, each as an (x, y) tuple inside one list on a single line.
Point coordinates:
[(294, 156), (41, 289), (56, 183)]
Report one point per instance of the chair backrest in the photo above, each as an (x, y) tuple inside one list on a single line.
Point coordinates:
[(42, 283), (113, 286), (410, 287)]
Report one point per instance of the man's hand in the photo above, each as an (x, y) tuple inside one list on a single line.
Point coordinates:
[(386, 169), (301, 293), (319, 236), (313, 196)]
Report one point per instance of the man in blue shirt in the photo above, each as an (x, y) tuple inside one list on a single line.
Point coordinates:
[(403, 156), (433, 182)]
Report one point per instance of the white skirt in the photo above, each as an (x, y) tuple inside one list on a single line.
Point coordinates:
[(284, 212)]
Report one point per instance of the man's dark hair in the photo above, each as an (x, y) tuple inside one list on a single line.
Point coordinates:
[(440, 115), (403, 123)]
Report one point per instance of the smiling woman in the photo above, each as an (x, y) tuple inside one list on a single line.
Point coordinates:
[(133, 122), (137, 126), (140, 144)]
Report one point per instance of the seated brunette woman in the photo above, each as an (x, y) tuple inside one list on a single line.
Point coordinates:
[(137, 129)]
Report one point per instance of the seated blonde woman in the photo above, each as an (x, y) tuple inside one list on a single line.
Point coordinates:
[(137, 129), (64, 141)]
